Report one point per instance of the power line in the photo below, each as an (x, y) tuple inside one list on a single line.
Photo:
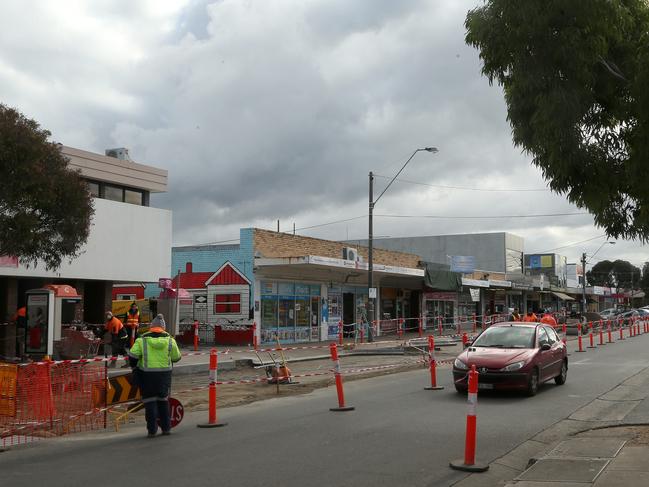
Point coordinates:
[(465, 188), (569, 245), (290, 230), (481, 217)]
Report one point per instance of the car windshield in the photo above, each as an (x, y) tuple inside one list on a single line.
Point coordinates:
[(506, 337)]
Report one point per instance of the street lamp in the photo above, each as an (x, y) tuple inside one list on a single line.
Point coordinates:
[(371, 292), (583, 265)]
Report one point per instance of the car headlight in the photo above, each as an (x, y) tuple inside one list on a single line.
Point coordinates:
[(458, 364), (514, 366)]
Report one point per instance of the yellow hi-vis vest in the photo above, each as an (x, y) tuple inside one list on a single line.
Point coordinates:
[(155, 353)]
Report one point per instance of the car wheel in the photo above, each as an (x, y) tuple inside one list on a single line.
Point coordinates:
[(533, 383), (561, 378)]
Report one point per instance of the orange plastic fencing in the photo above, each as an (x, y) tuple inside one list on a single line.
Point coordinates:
[(40, 401)]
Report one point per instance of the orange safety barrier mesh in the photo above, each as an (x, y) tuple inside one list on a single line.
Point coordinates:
[(40, 401)]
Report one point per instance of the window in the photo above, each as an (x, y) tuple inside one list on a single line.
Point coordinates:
[(552, 335), (543, 337), (93, 187), (133, 197), (126, 297), (113, 193), (227, 304)]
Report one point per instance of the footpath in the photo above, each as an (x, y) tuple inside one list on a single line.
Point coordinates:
[(603, 444)]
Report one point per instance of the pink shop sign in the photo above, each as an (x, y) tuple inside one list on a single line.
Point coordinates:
[(8, 261)]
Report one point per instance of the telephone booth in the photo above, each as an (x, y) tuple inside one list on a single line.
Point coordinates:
[(47, 309)]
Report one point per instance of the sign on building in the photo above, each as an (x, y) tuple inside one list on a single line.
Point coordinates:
[(462, 263)]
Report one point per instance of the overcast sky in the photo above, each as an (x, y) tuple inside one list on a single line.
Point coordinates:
[(278, 109)]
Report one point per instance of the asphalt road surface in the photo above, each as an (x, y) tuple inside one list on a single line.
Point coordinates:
[(399, 434)]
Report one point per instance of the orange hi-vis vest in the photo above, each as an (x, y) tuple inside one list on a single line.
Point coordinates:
[(132, 320)]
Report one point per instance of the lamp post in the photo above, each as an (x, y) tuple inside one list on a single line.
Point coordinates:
[(583, 264), (371, 292)]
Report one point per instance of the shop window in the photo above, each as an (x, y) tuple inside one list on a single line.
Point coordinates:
[(126, 297), (227, 304)]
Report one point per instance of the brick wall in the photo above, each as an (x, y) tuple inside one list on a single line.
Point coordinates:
[(271, 244)]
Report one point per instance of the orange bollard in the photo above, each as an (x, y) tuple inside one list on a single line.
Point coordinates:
[(212, 422), (621, 330), (608, 330), (469, 464), (590, 335), (432, 362), (339, 381), (579, 339), (255, 342), (475, 324), (195, 335), (465, 339), (601, 334)]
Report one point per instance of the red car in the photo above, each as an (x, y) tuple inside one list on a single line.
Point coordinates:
[(513, 356)]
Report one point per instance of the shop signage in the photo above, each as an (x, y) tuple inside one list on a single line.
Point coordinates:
[(373, 293), (441, 296), (599, 290), (7, 261), (475, 294), (522, 287), (462, 263), (348, 264), (474, 282), (495, 283)]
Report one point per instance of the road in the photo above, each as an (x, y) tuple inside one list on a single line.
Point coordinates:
[(399, 434)]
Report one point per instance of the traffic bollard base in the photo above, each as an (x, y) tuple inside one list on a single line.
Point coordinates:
[(475, 468), (580, 351), (431, 388), (343, 409), (211, 425)]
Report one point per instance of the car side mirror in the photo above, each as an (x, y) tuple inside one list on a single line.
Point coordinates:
[(467, 344), (545, 347)]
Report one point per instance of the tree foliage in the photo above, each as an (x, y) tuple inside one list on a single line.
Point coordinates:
[(575, 75), (45, 207), (619, 273)]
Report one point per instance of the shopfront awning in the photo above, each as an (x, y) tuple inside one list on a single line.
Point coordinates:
[(319, 268), (563, 297)]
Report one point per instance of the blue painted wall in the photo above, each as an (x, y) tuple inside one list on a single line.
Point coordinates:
[(209, 258)]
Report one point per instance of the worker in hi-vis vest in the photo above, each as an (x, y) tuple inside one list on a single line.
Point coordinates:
[(152, 357), (132, 321)]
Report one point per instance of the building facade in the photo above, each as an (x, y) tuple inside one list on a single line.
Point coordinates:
[(295, 288), (129, 241)]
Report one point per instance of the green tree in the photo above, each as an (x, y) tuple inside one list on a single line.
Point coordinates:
[(575, 76), (619, 273), (45, 207)]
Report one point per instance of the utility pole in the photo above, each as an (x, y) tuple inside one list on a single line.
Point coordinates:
[(370, 263), (370, 242), (583, 265)]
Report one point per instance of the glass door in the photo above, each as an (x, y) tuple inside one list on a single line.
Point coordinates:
[(315, 319), (286, 330), (302, 314)]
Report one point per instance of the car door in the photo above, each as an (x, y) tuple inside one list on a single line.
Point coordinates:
[(557, 351), (546, 357)]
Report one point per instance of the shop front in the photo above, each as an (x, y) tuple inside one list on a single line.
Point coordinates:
[(290, 311), (305, 299)]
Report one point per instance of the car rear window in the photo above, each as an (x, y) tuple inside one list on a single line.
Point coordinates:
[(506, 337)]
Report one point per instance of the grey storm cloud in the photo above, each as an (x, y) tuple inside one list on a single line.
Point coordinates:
[(264, 110)]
